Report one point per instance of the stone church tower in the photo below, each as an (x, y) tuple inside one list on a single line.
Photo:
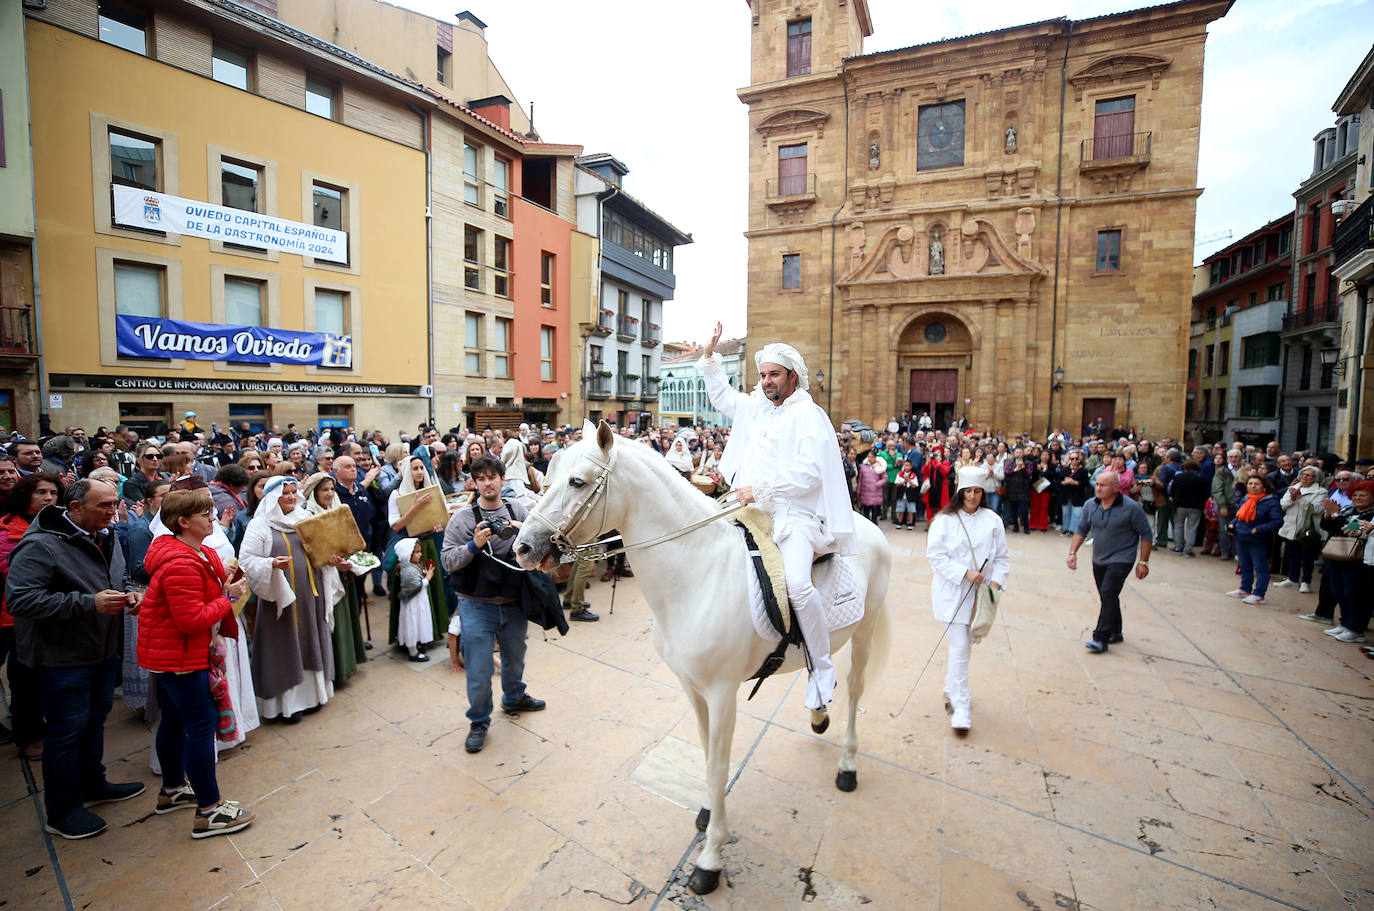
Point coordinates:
[(947, 226)]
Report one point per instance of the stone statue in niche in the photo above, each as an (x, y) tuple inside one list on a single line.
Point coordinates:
[(1011, 137), (937, 255), (875, 156)]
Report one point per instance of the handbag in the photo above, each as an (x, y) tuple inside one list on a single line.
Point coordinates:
[(1041, 485), (1309, 537), (1342, 549), (925, 487)]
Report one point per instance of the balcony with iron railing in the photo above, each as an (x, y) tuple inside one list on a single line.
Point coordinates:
[(627, 329), (628, 386), (650, 388), (605, 323), (1354, 233), (1315, 315), (16, 332), (598, 384), (1127, 149), (653, 335)]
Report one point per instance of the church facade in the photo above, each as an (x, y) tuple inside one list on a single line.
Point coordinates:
[(997, 227)]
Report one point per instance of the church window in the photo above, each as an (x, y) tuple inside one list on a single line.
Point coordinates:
[(940, 136)]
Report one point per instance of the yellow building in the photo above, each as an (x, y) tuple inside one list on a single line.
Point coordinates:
[(19, 325), (945, 227), (244, 118)]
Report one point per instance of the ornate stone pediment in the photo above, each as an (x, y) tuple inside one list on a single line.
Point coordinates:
[(793, 120), (971, 245), (1118, 68)]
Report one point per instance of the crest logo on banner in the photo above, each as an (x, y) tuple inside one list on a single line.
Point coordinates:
[(152, 209), (338, 351)]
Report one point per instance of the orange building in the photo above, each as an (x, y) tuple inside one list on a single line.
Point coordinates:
[(542, 256)]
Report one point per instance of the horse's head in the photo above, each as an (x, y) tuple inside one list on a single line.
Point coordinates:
[(575, 506)]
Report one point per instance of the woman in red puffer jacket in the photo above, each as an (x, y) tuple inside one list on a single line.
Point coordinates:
[(187, 596)]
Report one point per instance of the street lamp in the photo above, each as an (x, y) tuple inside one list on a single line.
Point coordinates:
[(1331, 357), (1058, 378), (820, 380)]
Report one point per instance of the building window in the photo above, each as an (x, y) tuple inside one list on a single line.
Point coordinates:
[(134, 160), (337, 416), (319, 97), (1258, 401), (330, 205), (243, 299), (239, 185), (331, 312), (1224, 358), (1305, 375), (500, 197), (1206, 404), (792, 169), (1192, 363), (472, 342), (1285, 239), (1262, 351), (472, 184), (147, 418), (1309, 290), (940, 135), (1314, 217), (799, 47), (1276, 291), (472, 258), (1254, 298), (139, 290), (546, 347), (791, 270), (1109, 251), (501, 267), (123, 26), (230, 66), (643, 243), (1114, 128), (1209, 361), (500, 346), (546, 270), (1303, 428), (1221, 404), (443, 65)]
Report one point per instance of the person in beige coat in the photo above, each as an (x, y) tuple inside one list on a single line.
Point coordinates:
[(1301, 504)]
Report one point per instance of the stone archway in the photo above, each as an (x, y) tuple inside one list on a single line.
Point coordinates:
[(934, 367)]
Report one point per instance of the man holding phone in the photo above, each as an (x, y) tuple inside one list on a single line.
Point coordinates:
[(478, 554), (68, 590)]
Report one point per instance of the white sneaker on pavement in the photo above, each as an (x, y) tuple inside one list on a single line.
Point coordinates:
[(960, 720), (1285, 583), (1305, 589), (1349, 635), (1237, 593), (1334, 631), (1252, 599)]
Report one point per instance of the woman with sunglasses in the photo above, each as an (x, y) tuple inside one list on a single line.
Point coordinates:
[(148, 468)]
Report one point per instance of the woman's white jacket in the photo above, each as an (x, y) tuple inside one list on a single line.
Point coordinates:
[(950, 555)]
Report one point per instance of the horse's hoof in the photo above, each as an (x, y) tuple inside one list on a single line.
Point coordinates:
[(847, 781), (703, 819), (703, 882), (820, 727)]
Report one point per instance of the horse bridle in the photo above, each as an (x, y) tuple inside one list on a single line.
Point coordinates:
[(606, 546)]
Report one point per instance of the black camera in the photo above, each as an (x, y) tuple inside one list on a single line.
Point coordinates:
[(501, 527)]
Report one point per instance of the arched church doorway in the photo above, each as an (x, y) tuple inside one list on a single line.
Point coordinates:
[(934, 355)]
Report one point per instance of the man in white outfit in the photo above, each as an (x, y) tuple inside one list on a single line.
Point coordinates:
[(783, 455)]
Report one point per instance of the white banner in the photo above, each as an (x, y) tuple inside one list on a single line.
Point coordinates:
[(136, 208)]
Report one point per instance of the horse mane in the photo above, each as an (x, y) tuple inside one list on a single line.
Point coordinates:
[(668, 475)]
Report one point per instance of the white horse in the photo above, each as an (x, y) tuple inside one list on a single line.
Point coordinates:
[(698, 588)]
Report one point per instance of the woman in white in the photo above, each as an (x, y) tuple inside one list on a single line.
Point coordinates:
[(680, 457), (966, 547), (516, 484), (345, 620), (1302, 505)]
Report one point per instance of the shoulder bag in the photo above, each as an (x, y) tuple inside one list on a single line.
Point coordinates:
[(1309, 536), (1342, 549), (985, 599)]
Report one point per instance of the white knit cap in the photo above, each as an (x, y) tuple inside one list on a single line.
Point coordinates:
[(969, 476), (784, 355)]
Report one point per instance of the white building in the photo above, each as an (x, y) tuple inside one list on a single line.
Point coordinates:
[(683, 399), (1256, 372)]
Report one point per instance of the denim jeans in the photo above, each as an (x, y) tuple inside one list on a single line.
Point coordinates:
[(1110, 578), (76, 701), (1253, 553), (483, 625), (995, 502), (1071, 514), (186, 734), (1018, 515)]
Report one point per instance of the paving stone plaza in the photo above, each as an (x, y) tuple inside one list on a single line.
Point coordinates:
[(1219, 758)]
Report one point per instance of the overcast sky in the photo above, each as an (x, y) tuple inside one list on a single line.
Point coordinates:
[(656, 88)]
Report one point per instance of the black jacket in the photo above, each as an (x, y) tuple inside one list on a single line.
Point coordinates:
[(1189, 490), (55, 572)]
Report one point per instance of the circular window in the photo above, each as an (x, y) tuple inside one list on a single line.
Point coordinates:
[(935, 333)]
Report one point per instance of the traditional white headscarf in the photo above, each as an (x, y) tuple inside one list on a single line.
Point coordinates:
[(517, 469), (269, 508), (405, 548), (309, 504), (784, 355), (679, 457), (408, 482)]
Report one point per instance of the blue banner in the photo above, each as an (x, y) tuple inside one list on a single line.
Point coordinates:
[(141, 336)]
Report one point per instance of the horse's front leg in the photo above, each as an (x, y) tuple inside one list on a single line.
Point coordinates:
[(720, 701)]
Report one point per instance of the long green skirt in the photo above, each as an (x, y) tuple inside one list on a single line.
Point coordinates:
[(349, 651), (438, 593)]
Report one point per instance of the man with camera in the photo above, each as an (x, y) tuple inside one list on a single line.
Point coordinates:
[(477, 554)]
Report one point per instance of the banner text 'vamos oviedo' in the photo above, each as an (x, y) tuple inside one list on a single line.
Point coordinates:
[(147, 337)]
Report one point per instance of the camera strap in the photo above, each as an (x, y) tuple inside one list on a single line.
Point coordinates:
[(489, 550)]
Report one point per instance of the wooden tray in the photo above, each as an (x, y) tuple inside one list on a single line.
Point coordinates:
[(435, 512), (333, 532)]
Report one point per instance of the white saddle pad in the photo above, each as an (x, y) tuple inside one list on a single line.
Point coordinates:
[(841, 594)]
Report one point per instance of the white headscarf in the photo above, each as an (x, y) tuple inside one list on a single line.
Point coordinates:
[(408, 481), (269, 508), (784, 355), (311, 486), (679, 457), (517, 469), (405, 548)]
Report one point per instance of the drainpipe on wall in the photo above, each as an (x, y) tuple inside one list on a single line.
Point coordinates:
[(830, 353), (44, 418), (429, 251), (1357, 380), (1058, 223)]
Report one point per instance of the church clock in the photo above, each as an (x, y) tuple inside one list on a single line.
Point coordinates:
[(940, 136)]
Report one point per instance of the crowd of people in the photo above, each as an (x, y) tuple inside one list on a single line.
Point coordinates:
[(171, 566)]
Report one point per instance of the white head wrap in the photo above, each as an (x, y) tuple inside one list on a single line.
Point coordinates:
[(784, 355), (405, 547), (678, 456), (308, 489), (971, 476), (269, 508), (408, 484)]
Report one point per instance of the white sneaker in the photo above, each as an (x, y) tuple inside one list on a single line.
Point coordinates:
[(1285, 583), (1305, 589), (1252, 599), (1237, 593), (1334, 632), (961, 722), (1349, 635)]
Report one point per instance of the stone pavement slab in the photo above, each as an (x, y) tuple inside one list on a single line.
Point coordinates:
[(1221, 757)]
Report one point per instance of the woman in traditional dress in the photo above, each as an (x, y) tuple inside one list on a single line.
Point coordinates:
[(414, 626), (346, 631), (679, 457), (967, 547), (516, 484), (415, 476), (293, 660)]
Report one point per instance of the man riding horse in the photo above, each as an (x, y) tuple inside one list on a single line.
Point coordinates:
[(782, 455)]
